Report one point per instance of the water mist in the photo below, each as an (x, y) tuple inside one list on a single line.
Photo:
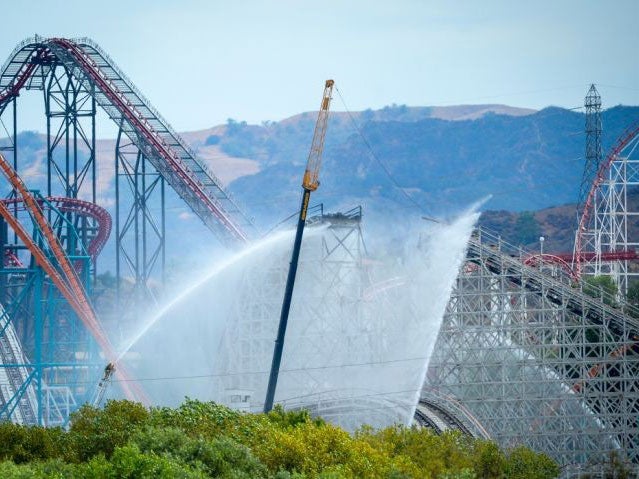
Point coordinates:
[(360, 330)]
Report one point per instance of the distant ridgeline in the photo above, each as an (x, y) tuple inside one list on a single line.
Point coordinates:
[(526, 162), (443, 158)]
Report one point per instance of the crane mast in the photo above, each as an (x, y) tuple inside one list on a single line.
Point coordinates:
[(310, 183)]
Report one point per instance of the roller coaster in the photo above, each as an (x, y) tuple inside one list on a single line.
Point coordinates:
[(523, 356), (69, 230), (537, 361)]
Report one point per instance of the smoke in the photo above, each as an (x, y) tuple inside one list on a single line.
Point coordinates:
[(361, 329)]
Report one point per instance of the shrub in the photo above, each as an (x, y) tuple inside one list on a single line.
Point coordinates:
[(99, 431), (23, 444), (204, 439)]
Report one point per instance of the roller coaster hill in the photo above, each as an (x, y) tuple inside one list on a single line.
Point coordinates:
[(53, 347), (523, 355)]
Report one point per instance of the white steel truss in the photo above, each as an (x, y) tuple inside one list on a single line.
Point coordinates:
[(522, 351), (615, 215), (538, 362)]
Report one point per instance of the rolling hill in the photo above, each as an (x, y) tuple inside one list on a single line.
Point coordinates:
[(395, 162)]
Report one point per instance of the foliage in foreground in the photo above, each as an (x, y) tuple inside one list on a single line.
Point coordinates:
[(198, 440)]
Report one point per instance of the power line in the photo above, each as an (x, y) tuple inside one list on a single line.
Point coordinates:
[(290, 370), (504, 95), (618, 87), (361, 396)]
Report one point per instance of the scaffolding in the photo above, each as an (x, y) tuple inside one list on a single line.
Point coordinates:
[(537, 361), (614, 217)]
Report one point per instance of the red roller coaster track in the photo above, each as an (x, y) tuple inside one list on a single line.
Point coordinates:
[(580, 256), (114, 92), (129, 111), (563, 260), (73, 205), (22, 77), (67, 283)]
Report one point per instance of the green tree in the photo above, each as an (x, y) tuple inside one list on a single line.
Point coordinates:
[(522, 463), (594, 286), (488, 460), (129, 462), (22, 444), (218, 457), (99, 431), (204, 439), (632, 297)]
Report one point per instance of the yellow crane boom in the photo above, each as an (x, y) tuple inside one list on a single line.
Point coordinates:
[(314, 163)]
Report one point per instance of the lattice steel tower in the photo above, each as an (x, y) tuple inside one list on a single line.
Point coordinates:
[(593, 129), (592, 104)]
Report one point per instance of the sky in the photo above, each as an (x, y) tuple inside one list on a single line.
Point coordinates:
[(202, 62)]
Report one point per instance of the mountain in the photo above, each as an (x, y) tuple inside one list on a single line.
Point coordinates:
[(524, 162), (396, 161), (556, 224)]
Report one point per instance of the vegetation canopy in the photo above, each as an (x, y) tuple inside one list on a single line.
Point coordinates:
[(204, 439)]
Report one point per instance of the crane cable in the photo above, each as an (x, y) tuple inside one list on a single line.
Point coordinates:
[(374, 156)]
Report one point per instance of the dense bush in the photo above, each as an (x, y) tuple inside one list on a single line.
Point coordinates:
[(601, 287), (198, 440)]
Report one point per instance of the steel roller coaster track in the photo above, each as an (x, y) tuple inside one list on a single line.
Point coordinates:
[(28, 66), (65, 276), (580, 255), (68, 205)]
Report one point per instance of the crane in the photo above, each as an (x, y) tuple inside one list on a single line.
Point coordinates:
[(310, 182)]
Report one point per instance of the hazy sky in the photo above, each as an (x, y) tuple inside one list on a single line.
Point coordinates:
[(201, 62)]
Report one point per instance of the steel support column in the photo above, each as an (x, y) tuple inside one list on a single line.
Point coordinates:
[(139, 225), (71, 167), (70, 109)]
